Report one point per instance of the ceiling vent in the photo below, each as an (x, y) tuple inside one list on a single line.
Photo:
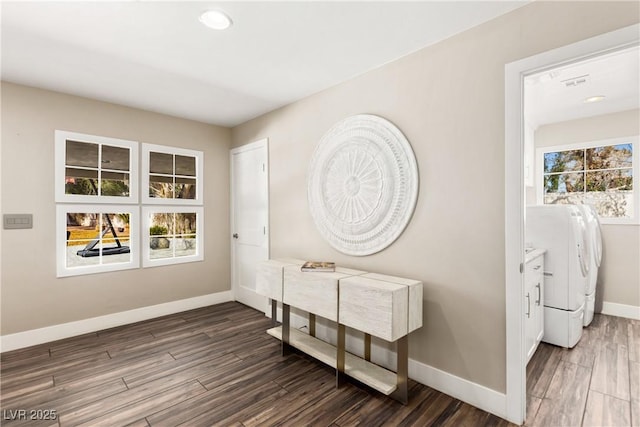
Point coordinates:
[(576, 81)]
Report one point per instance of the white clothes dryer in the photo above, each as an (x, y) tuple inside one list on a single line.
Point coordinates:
[(594, 240), (560, 229)]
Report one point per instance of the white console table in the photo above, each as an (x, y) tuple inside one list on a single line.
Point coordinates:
[(383, 306)]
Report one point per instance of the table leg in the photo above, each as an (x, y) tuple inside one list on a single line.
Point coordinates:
[(312, 324), (340, 355), (402, 393), (274, 312), (367, 347), (286, 324)]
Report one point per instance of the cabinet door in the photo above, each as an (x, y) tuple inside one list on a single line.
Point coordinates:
[(529, 319), (539, 309)]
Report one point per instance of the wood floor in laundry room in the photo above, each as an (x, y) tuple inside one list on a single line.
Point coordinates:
[(597, 383), (210, 366)]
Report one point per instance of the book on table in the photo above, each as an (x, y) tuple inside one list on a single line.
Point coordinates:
[(318, 266)]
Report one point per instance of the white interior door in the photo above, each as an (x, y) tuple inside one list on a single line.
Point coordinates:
[(249, 220)]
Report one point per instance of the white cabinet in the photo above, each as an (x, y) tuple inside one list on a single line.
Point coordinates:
[(533, 300)]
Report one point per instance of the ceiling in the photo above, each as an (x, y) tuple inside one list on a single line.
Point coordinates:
[(558, 95), (157, 56)]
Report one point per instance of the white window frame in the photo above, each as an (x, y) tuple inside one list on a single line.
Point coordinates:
[(633, 140), (61, 238), (147, 261), (199, 177), (61, 138)]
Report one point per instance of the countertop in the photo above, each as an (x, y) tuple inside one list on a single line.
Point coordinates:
[(532, 254)]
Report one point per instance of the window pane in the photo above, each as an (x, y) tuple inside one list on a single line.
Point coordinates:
[(160, 163), (115, 184), (161, 232), (185, 188), (564, 183), (564, 161), (161, 187), (611, 180), (185, 242), (185, 223), (81, 154), (114, 246), (75, 251), (80, 181), (82, 235), (185, 245), (612, 204), (564, 198), (185, 165), (611, 156), (116, 158), (161, 224)]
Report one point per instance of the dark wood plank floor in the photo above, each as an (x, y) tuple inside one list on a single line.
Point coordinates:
[(205, 367), (597, 383)]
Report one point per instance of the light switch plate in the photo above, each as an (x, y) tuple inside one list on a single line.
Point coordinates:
[(17, 221)]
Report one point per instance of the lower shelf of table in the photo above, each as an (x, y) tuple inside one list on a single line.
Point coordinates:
[(368, 373)]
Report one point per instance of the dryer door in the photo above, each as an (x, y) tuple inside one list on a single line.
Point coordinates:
[(580, 233), (595, 234), (597, 242)]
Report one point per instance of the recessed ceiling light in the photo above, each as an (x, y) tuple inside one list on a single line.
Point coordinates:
[(215, 19), (591, 99)]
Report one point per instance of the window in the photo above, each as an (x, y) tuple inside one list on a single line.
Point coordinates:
[(96, 238), (602, 173), (98, 222), (172, 235), (173, 225), (95, 169), (171, 176)]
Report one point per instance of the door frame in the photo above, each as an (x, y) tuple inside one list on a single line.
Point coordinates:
[(259, 144), (515, 73)]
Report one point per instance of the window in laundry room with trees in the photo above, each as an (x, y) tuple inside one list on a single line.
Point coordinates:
[(603, 174)]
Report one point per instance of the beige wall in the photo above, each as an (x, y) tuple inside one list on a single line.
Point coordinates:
[(448, 99), (32, 296), (619, 275)]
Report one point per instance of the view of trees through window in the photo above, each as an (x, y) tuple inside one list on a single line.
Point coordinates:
[(93, 169), (172, 176), (600, 176), (172, 234)]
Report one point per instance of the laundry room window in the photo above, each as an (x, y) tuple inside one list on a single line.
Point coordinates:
[(603, 174)]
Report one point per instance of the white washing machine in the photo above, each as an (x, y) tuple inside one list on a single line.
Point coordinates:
[(594, 240), (560, 229)]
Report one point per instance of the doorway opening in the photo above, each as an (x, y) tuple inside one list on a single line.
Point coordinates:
[(517, 175)]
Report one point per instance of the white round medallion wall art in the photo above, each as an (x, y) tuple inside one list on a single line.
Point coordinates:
[(362, 184)]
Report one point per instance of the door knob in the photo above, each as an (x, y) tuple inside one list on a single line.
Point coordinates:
[(235, 235)]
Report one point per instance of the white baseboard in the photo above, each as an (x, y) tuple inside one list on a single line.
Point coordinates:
[(472, 393), (71, 329), (621, 310)]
